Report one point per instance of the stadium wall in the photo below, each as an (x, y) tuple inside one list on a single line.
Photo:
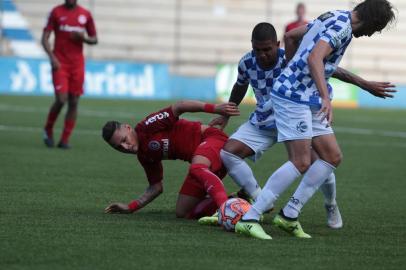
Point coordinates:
[(105, 79), (128, 80)]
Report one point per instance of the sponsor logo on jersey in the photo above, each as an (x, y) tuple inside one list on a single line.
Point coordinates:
[(342, 35), (69, 28), (325, 16), (82, 19), (301, 126), (154, 145), (165, 148), (158, 116)]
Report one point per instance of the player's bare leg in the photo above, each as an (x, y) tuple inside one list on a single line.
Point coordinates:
[(185, 205), (56, 107)]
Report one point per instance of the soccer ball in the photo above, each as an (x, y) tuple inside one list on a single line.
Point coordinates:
[(231, 211)]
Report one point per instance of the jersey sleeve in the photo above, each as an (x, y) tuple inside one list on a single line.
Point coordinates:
[(153, 170), (51, 21), (338, 32), (159, 121), (242, 78), (90, 26)]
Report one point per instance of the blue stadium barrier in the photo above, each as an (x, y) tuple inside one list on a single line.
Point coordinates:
[(17, 34), (7, 5), (114, 79), (399, 101), (193, 88), (21, 76)]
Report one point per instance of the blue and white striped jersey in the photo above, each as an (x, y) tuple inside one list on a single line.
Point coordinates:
[(262, 81), (295, 82)]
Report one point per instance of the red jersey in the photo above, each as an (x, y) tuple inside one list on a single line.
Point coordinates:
[(161, 135), (63, 21), (294, 25)]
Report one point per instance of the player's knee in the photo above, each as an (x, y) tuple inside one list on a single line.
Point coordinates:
[(60, 101), (195, 169), (302, 165), (180, 213), (336, 158), (227, 157), (238, 149)]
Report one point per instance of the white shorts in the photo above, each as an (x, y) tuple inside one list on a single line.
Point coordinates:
[(257, 139), (297, 121)]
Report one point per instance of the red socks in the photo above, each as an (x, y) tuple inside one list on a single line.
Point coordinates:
[(207, 207), (67, 130), (50, 123), (212, 184)]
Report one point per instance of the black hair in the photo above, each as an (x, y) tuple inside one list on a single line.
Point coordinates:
[(300, 4), (109, 128), (264, 31), (375, 14)]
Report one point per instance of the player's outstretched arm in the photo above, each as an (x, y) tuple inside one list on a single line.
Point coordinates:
[(378, 89), (237, 95), (227, 109), (152, 192), (292, 41)]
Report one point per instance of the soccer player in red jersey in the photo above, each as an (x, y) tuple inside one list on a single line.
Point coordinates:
[(69, 22), (162, 135), (300, 13)]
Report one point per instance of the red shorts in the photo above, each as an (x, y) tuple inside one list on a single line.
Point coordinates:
[(69, 79), (213, 141)]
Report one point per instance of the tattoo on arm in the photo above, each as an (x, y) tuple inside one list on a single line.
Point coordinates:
[(149, 195)]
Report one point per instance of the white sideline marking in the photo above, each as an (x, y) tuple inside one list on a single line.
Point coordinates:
[(84, 112), (358, 131), (40, 130), (105, 114), (373, 132)]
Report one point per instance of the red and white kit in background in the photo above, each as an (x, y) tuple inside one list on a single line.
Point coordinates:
[(69, 78)]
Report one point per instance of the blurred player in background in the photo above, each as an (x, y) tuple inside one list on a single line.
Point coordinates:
[(301, 101), (162, 135), (300, 18), (72, 25)]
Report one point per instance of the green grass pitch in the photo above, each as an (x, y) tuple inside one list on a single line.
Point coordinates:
[(52, 201)]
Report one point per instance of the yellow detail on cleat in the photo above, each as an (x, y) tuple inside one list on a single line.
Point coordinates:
[(291, 227), (252, 229), (210, 221)]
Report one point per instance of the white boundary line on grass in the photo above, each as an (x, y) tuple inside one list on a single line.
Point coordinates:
[(105, 114), (367, 132)]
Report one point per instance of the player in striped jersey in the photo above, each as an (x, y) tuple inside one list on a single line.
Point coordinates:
[(301, 100)]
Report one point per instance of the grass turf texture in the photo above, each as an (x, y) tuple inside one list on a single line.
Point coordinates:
[(52, 200)]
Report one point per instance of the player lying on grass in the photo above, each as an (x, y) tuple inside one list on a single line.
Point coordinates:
[(162, 135)]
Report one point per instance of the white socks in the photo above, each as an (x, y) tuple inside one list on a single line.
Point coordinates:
[(277, 183), (329, 190), (241, 173), (318, 172)]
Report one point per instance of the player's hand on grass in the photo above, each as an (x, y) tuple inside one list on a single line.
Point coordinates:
[(220, 122), (55, 63), (379, 89), (117, 208), (227, 109), (326, 111)]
